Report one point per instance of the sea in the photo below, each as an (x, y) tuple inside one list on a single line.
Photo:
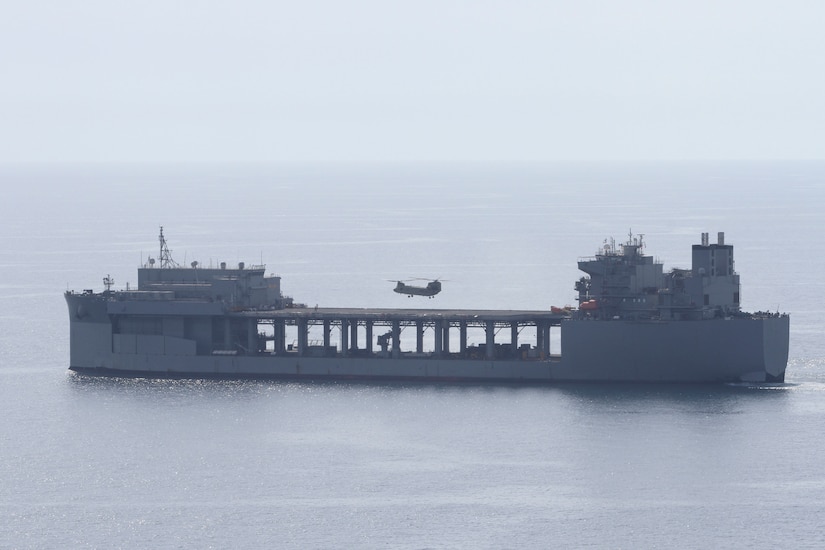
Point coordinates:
[(138, 463)]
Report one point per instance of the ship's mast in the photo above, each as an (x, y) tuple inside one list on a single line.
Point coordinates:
[(166, 260), (108, 282)]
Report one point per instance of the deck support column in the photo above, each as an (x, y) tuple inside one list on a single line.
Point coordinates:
[(543, 338), (419, 336), (369, 337), (462, 338), (279, 337), (491, 340), (396, 339), (302, 336), (439, 338), (354, 334), (327, 336), (446, 339), (514, 338), (545, 328), (344, 339)]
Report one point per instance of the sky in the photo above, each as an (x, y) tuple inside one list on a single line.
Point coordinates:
[(378, 81)]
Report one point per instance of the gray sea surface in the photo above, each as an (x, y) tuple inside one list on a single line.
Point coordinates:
[(135, 463)]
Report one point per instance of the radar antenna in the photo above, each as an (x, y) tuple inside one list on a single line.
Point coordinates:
[(108, 282), (166, 260)]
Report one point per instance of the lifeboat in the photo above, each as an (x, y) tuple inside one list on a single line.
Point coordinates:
[(589, 305)]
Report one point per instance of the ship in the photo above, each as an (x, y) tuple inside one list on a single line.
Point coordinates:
[(634, 322)]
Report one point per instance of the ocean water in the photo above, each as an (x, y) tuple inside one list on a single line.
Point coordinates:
[(117, 463)]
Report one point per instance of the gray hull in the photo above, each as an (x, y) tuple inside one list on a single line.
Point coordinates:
[(719, 350), (735, 349)]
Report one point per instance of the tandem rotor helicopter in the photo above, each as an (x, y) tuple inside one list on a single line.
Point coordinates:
[(432, 288)]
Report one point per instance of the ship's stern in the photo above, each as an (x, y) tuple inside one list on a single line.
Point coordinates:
[(90, 331), (775, 341)]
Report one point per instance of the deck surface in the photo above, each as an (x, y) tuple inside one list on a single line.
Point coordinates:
[(469, 316)]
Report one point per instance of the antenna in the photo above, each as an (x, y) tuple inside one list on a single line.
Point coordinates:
[(166, 260), (108, 282)]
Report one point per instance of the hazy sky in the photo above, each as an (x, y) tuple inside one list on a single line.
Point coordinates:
[(363, 80)]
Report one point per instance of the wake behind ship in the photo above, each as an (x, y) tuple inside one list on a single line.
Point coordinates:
[(634, 323)]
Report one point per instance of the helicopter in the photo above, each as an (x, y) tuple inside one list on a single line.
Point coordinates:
[(432, 288)]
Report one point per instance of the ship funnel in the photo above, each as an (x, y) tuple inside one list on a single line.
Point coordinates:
[(705, 239), (721, 238), (240, 265), (223, 265)]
